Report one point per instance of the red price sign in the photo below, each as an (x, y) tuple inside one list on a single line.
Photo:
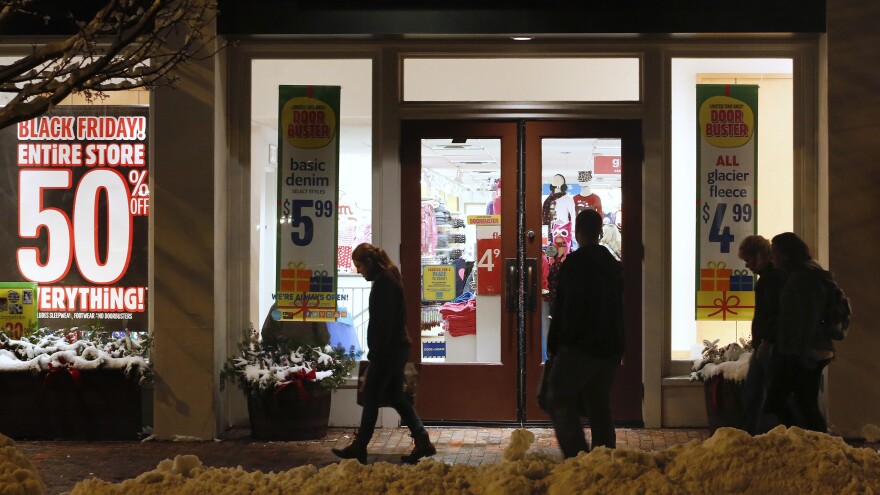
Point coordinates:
[(489, 266), (605, 164)]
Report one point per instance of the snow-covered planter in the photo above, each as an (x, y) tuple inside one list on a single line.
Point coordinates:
[(73, 384), (288, 386), (73, 351), (266, 366), (723, 370), (731, 362)]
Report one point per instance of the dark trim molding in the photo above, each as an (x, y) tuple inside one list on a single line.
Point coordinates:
[(571, 17)]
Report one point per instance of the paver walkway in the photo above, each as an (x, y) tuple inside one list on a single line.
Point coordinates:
[(62, 464)]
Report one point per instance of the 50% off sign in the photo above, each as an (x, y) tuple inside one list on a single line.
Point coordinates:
[(139, 204)]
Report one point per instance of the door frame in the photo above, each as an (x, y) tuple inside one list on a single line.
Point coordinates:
[(627, 391), (493, 381), (519, 346)]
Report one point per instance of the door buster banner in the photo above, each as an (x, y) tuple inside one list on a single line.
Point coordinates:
[(75, 189), (308, 194), (727, 166)]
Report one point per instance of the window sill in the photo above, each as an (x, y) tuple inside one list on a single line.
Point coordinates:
[(680, 381)]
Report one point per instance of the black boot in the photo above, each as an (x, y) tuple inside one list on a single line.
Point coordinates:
[(423, 448), (356, 450)]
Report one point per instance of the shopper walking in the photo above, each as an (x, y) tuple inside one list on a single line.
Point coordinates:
[(800, 338), (756, 252), (585, 339), (389, 347)]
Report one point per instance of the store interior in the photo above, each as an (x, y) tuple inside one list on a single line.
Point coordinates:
[(461, 180)]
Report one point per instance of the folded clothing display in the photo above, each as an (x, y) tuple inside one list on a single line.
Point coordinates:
[(460, 317)]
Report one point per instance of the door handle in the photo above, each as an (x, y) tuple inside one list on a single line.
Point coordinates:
[(531, 284), (511, 272)]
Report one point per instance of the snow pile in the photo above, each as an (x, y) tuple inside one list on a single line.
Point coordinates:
[(783, 461), (17, 474), (871, 432), (47, 351)]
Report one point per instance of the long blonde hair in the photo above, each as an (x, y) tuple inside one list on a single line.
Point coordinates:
[(367, 252)]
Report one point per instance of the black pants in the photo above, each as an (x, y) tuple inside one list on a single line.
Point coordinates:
[(384, 386), (800, 380), (576, 376)]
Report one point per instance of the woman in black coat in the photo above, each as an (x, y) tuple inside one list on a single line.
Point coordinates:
[(388, 353)]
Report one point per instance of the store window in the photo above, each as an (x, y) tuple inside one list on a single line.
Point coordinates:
[(354, 211), (460, 178), (521, 79), (774, 182), (576, 174)]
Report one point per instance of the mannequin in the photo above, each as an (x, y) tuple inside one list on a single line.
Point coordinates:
[(587, 198), (559, 206)]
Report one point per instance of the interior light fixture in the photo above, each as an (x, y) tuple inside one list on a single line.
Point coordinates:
[(521, 38), (441, 147), (473, 162)]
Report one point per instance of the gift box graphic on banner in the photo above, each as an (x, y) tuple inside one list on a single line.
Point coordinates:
[(305, 308), (725, 305), (742, 281), (321, 282), (716, 277), (295, 278)]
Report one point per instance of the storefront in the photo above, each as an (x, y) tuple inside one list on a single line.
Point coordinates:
[(454, 138), (432, 126)]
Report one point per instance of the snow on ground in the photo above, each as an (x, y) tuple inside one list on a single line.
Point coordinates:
[(783, 461), (17, 474)]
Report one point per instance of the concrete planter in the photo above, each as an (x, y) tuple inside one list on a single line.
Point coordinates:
[(289, 415), (724, 405), (70, 405)]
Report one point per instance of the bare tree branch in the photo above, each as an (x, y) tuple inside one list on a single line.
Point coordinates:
[(123, 46)]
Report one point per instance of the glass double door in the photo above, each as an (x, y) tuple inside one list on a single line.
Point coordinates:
[(488, 214)]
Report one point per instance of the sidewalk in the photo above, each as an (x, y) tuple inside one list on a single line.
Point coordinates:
[(63, 464)]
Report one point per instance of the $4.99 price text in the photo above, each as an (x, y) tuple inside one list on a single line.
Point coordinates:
[(719, 232)]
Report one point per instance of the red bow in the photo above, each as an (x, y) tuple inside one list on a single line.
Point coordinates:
[(724, 305), (55, 371), (297, 379), (304, 305)]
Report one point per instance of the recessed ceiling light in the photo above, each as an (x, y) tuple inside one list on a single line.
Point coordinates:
[(521, 38)]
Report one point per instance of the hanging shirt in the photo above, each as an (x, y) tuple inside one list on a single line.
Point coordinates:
[(429, 230), (549, 209), (565, 210), (590, 201)]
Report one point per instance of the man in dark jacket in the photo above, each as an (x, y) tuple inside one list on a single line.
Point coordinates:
[(586, 339)]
